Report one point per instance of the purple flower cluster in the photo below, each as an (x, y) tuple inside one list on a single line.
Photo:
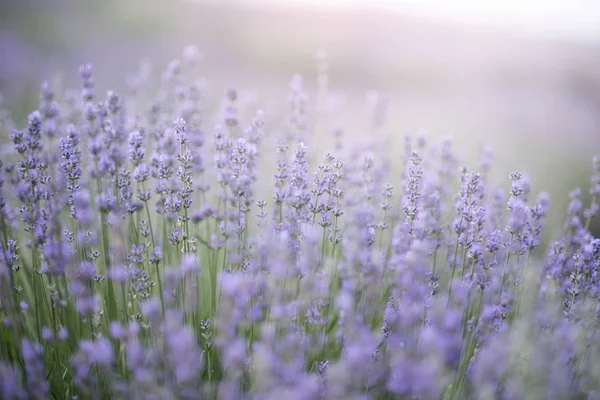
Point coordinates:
[(139, 261)]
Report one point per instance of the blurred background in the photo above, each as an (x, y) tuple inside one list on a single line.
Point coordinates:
[(521, 76)]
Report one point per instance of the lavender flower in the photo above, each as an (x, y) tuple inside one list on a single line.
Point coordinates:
[(37, 387), (148, 265)]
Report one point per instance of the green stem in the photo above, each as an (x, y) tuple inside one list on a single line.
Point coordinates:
[(519, 298), (158, 276), (589, 217), (112, 314)]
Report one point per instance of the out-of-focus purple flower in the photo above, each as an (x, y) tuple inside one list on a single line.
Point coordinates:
[(37, 386), (91, 353), (11, 383), (87, 81)]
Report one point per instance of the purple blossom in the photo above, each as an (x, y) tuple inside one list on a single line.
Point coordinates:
[(321, 282), (37, 387)]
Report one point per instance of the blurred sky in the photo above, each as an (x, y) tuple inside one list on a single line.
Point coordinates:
[(577, 20)]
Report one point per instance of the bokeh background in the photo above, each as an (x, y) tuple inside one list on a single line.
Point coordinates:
[(521, 76)]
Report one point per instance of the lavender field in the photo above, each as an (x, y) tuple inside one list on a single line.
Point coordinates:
[(161, 239)]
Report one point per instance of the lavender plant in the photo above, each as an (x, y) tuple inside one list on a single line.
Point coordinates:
[(142, 260)]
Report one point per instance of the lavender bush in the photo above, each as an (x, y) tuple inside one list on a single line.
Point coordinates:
[(148, 255)]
